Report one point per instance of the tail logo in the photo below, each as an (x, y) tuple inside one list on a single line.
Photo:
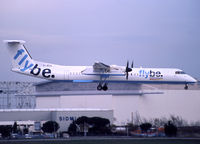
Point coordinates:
[(26, 65), (35, 70), (45, 72)]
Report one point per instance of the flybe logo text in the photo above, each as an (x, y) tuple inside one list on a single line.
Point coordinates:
[(28, 65), (45, 72), (146, 74)]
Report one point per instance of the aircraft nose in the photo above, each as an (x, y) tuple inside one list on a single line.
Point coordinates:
[(192, 80)]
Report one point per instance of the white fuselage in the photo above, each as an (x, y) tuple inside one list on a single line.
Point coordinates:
[(23, 63), (137, 75)]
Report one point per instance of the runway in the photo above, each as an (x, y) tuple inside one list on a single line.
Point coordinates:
[(102, 140)]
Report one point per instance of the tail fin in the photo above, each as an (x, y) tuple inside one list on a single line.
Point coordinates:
[(21, 59)]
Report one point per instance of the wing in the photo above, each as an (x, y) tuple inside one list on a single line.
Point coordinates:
[(101, 69)]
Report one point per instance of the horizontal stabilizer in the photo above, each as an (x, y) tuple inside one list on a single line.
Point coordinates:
[(14, 41)]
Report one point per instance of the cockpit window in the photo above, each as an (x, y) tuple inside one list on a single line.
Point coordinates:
[(179, 72)]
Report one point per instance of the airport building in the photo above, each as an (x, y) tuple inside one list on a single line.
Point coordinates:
[(64, 102)]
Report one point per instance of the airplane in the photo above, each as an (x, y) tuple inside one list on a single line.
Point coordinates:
[(99, 73)]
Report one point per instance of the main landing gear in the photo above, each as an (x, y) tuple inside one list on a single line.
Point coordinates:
[(186, 86), (102, 87)]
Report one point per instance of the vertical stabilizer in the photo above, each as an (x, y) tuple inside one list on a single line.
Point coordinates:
[(21, 59)]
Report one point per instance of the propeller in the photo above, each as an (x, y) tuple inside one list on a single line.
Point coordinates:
[(132, 64), (127, 69)]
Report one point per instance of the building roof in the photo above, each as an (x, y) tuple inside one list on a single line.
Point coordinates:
[(52, 109)]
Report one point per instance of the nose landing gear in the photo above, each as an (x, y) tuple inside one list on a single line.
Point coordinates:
[(186, 86)]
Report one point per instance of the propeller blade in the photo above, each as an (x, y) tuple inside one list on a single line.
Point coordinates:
[(127, 70), (127, 65), (132, 64)]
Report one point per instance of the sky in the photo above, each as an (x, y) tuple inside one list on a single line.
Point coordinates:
[(153, 33)]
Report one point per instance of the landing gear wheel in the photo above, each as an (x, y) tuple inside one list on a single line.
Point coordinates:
[(99, 87), (105, 87), (186, 86)]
